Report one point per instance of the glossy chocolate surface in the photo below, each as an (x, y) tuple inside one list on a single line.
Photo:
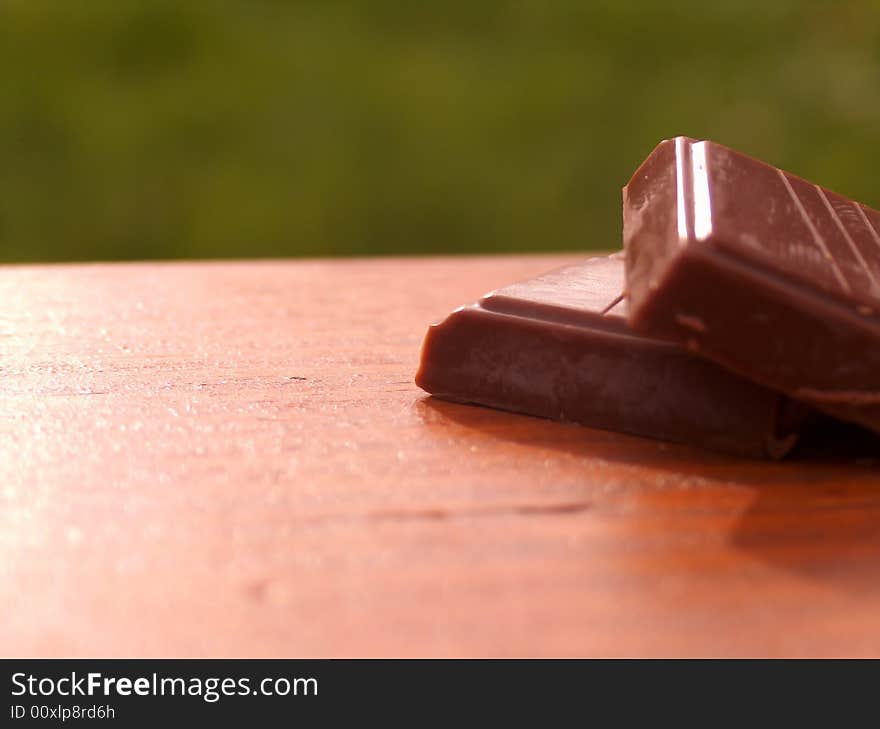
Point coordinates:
[(558, 346), (773, 277)]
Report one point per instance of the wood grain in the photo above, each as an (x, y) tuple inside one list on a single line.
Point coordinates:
[(230, 459)]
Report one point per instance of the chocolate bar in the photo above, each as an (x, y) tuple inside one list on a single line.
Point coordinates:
[(766, 274), (558, 346)]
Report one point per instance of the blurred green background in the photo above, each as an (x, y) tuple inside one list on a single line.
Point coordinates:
[(168, 128)]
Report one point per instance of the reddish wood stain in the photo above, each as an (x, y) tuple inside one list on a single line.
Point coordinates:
[(231, 459)]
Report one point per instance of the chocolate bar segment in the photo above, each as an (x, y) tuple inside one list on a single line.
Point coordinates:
[(558, 346), (768, 275)]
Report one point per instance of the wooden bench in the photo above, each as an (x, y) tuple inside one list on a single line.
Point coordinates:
[(231, 459)]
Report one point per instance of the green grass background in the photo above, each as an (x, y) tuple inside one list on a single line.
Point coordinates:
[(167, 128)]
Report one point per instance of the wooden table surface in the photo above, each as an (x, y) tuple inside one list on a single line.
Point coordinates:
[(231, 459)]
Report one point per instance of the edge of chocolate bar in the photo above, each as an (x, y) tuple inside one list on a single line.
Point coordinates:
[(540, 348), (696, 191)]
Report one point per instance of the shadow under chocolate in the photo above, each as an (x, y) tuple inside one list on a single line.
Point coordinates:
[(815, 514)]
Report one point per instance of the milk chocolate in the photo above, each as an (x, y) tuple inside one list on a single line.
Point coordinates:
[(771, 276), (558, 346)]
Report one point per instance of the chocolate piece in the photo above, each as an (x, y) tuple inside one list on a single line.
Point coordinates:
[(558, 346), (770, 276)]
